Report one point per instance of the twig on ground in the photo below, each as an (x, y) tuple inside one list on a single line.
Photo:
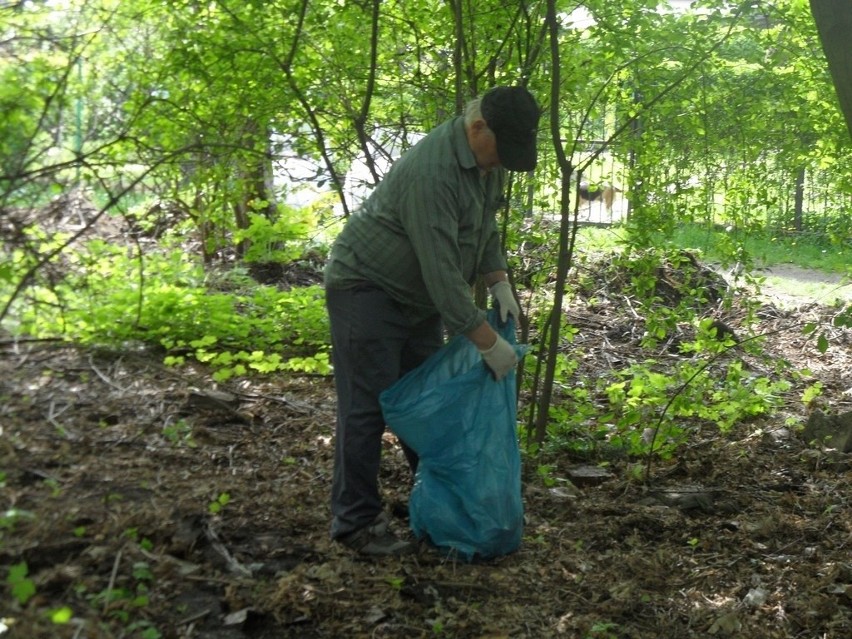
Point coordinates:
[(103, 377), (230, 561), (112, 577)]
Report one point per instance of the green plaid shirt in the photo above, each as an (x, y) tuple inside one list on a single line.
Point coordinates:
[(426, 231)]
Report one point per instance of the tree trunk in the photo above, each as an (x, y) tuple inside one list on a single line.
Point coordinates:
[(799, 205), (253, 174), (834, 24), (567, 235)]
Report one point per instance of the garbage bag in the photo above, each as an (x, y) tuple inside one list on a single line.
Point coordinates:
[(462, 423)]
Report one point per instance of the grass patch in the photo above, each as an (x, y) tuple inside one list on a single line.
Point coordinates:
[(762, 249), (755, 250), (601, 238)]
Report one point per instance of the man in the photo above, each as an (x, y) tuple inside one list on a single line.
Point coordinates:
[(401, 270)]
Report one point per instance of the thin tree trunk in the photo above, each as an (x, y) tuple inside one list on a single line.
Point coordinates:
[(799, 204), (566, 236), (360, 120), (287, 68)]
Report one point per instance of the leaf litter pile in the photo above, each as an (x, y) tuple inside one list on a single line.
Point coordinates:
[(147, 501)]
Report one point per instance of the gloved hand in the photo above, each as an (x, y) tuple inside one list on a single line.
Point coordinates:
[(500, 358), (502, 292)]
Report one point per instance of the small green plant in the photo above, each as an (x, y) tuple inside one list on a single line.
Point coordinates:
[(216, 506), (124, 603), (61, 616), (603, 630), (395, 582), (142, 571), (133, 535), (10, 519), (22, 587), (844, 318), (545, 474), (822, 340), (179, 434), (811, 393), (636, 473), (54, 486), (145, 628)]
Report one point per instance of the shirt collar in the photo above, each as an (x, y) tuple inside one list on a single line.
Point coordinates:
[(463, 150)]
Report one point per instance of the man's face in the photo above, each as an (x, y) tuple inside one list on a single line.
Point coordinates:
[(483, 143)]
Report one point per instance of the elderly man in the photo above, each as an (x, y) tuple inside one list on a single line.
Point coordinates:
[(402, 270)]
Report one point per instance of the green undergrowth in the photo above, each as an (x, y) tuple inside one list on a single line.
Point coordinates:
[(680, 369), (167, 300), (683, 372)]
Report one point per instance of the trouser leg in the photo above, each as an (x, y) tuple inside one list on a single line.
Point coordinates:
[(373, 345)]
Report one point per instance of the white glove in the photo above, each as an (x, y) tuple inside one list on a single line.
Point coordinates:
[(500, 358), (502, 293)]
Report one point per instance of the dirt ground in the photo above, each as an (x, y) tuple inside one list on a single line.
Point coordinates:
[(151, 502), (788, 286)]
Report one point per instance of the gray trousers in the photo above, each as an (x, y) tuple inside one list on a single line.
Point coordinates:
[(373, 345)]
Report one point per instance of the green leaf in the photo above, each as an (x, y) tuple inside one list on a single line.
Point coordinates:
[(23, 589), (62, 615)]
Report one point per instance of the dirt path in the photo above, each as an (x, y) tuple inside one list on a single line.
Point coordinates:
[(793, 285)]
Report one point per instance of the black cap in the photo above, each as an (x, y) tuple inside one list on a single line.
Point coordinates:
[(512, 114)]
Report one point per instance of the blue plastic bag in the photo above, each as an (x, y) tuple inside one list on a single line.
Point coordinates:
[(462, 424)]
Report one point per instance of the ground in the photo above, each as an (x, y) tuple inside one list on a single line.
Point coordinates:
[(150, 502)]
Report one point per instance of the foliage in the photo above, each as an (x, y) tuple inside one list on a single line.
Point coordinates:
[(22, 587), (179, 433), (650, 407), (274, 241), (216, 505), (643, 410), (166, 299)]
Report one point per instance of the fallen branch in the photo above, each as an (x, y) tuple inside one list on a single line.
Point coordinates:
[(232, 564)]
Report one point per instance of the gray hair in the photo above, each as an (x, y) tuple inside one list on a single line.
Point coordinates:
[(473, 111)]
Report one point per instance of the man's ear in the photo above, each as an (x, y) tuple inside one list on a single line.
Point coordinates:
[(479, 125)]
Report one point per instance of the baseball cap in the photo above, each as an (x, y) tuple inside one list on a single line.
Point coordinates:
[(512, 114)]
